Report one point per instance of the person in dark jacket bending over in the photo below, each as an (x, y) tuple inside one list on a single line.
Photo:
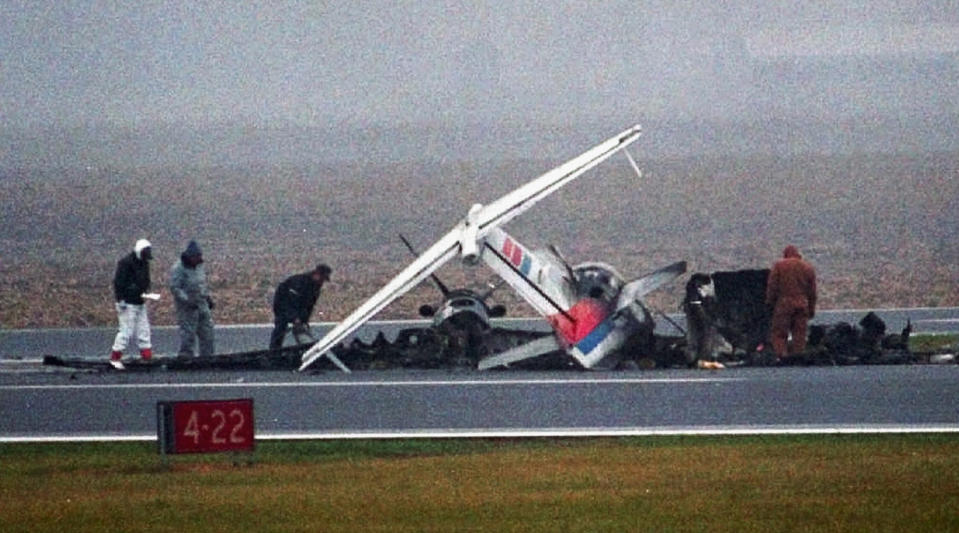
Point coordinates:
[(293, 302), (194, 305), (791, 294), (130, 282)]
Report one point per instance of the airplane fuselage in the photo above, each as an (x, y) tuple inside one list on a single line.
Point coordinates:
[(582, 304)]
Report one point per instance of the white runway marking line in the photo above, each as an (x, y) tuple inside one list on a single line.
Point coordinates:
[(616, 432), (703, 431), (345, 384)]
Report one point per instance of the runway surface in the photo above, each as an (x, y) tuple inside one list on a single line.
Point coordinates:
[(117, 406), (47, 404)]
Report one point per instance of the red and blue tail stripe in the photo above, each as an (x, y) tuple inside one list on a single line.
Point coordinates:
[(595, 337), (516, 256)]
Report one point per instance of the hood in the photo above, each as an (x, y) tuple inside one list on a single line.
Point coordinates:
[(192, 256), (791, 251), (192, 250), (324, 270), (138, 248)]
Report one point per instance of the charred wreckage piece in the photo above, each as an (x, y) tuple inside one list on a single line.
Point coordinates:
[(728, 322), (286, 358), (414, 348)]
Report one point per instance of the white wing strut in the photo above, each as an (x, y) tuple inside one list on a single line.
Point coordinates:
[(466, 237)]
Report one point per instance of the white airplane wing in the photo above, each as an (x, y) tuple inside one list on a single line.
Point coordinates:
[(648, 283), (518, 201), (424, 265)]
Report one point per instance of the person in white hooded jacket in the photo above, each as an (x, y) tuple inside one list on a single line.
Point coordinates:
[(130, 283), (193, 302)]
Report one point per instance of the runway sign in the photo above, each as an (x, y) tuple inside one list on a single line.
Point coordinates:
[(205, 426)]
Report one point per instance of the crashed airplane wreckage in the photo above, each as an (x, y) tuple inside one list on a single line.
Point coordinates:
[(594, 312), (726, 322), (734, 336)]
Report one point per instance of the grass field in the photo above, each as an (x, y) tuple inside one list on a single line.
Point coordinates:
[(808, 483)]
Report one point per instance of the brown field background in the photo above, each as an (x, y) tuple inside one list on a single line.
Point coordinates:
[(880, 229)]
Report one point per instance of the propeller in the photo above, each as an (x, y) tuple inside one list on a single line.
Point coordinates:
[(439, 284), (428, 310), (562, 259)]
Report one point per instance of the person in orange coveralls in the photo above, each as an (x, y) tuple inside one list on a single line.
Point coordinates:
[(791, 294)]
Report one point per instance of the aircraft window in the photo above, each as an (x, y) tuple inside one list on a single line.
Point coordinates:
[(462, 303)]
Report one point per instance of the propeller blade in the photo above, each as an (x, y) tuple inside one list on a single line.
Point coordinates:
[(562, 259), (439, 284)]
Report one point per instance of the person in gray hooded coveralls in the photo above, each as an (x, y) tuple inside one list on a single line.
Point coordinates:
[(193, 302)]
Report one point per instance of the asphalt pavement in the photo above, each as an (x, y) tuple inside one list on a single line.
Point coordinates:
[(390, 404), (95, 342)]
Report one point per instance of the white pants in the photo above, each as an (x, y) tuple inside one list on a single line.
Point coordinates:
[(133, 321)]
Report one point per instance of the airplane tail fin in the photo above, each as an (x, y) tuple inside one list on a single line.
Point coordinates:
[(638, 288)]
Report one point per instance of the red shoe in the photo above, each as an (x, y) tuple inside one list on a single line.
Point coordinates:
[(115, 357), (146, 353)]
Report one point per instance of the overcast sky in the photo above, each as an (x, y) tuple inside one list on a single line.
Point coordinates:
[(81, 62)]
